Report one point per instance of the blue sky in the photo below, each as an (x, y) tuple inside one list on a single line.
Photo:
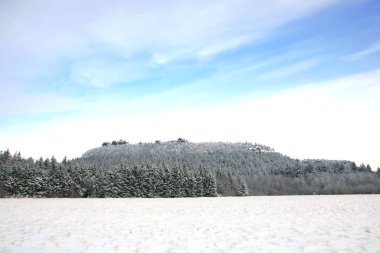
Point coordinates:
[(300, 76)]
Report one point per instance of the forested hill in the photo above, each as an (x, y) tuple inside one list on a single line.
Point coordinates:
[(181, 169), (235, 158), (237, 165)]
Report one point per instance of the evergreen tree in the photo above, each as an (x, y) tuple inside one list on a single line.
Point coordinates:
[(243, 189), (210, 188)]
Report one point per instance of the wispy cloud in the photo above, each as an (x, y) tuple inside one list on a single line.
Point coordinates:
[(103, 72), (372, 49), (89, 44), (224, 46), (291, 69), (16, 103), (42, 32)]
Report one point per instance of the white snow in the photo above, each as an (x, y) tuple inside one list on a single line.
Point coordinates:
[(349, 223)]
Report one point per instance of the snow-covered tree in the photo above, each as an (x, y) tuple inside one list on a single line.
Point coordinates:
[(243, 189)]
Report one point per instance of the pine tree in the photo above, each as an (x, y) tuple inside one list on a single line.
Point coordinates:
[(198, 185), (167, 183), (243, 189), (189, 184), (210, 188)]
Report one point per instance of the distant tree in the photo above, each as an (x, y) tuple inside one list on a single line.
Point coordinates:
[(309, 169), (198, 189), (362, 167), (354, 167), (5, 156), (65, 161), (210, 187), (47, 163), (122, 142), (167, 183), (181, 140), (150, 182), (189, 183), (243, 189), (177, 177), (54, 162)]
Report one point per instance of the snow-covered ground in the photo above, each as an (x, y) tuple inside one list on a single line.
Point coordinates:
[(245, 224)]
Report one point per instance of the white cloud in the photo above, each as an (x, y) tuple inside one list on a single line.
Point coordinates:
[(178, 30), (50, 30), (101, 72), (291, 69), (43, 40), (373, 49), (285, 64), (17, 103), (224, 46), (159, 59)]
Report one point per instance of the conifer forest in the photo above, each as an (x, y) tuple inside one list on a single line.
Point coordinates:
[(180, 168)]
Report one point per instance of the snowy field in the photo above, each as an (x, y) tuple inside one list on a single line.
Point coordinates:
[(245, 224)]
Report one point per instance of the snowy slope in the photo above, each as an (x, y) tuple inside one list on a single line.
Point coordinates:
[(249, 224)]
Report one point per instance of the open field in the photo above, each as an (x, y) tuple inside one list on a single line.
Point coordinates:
[(349, 223)]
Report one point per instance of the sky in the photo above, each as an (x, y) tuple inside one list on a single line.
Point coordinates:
[(302, 77)]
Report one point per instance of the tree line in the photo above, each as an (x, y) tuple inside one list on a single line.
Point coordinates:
[(181, 169), (21, 177)]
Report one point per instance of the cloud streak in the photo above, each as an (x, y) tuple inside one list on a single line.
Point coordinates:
[(291, 69), (373, 49), (55, 48), (49, 31), (100, 72)]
